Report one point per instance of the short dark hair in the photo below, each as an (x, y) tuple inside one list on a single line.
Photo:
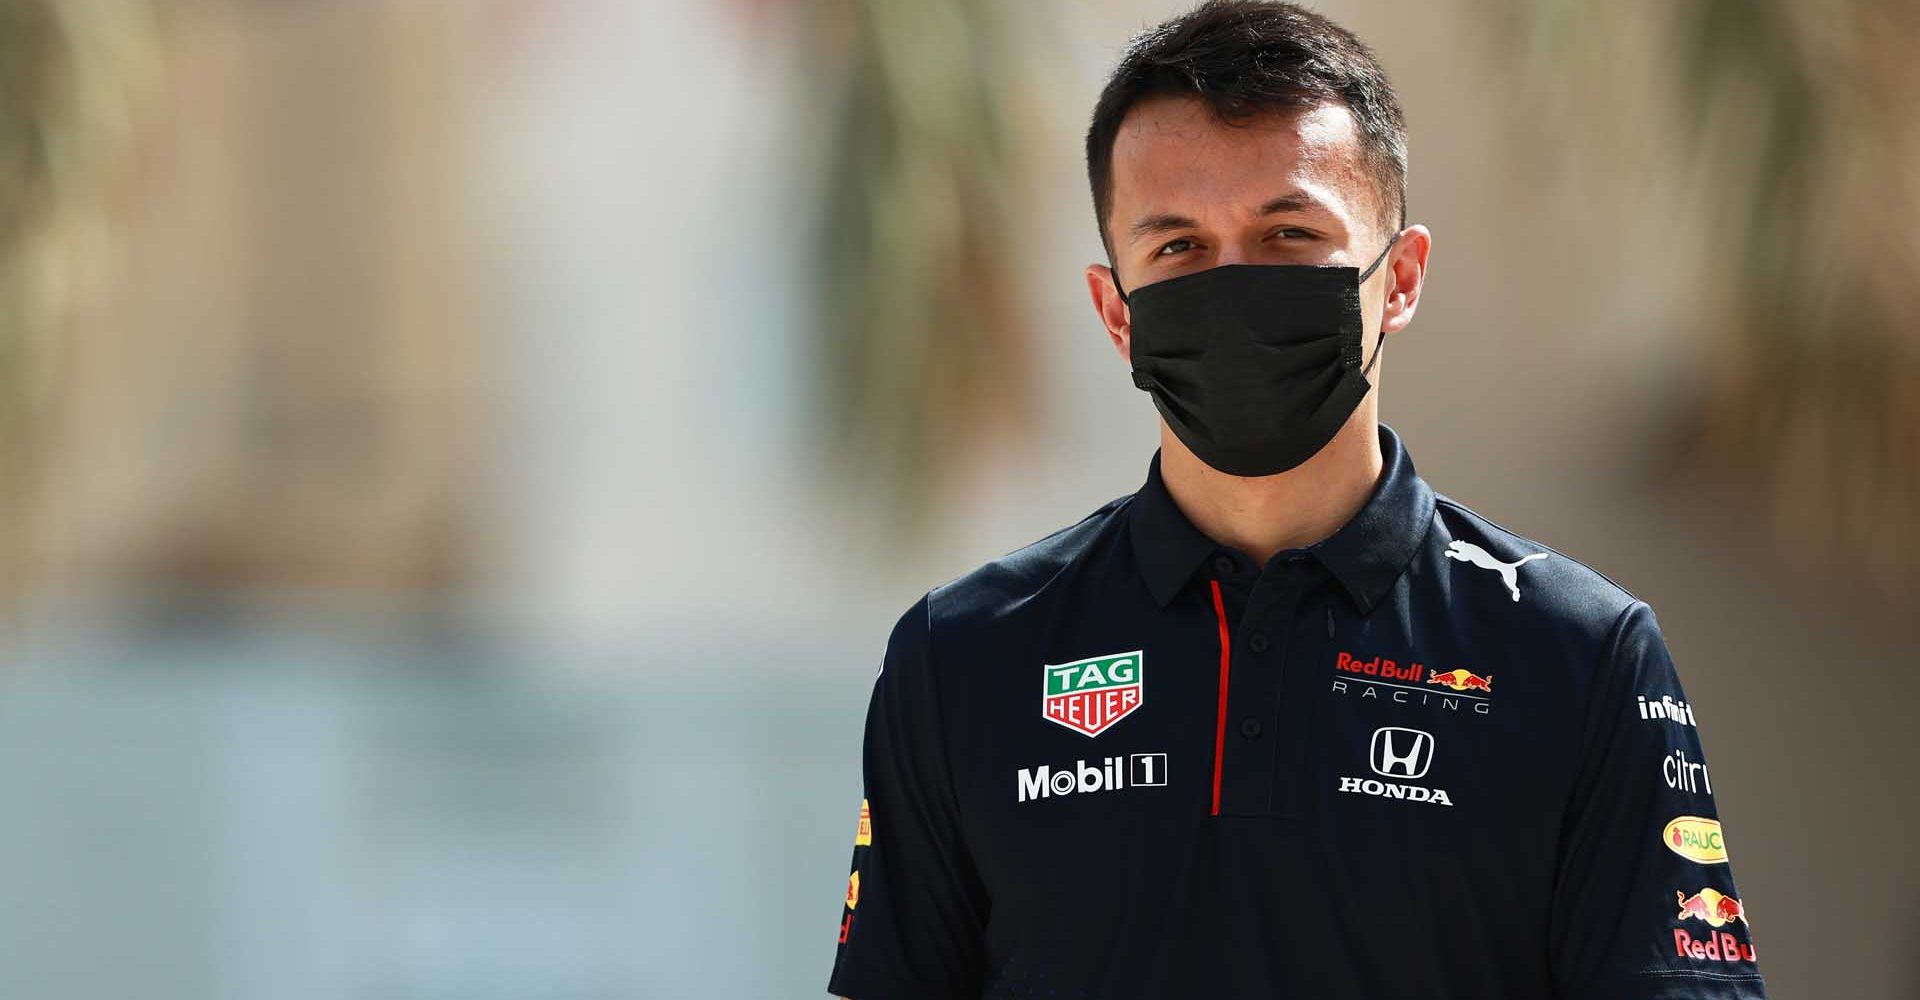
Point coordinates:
[(1244, 57)]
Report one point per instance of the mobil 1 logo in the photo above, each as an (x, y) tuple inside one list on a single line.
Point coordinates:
[(1108, 774)]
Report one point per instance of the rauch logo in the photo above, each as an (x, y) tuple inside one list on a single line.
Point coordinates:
[(1695, 838)]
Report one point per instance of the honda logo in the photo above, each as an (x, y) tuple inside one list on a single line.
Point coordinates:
[(1400, 753)]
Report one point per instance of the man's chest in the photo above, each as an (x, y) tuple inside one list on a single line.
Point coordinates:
[(1103, 751)]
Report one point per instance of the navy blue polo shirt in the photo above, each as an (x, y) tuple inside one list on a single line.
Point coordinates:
[(1424, 757)]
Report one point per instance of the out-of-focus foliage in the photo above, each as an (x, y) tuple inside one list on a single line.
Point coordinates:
[(1800, 138), (923, 348), (72, 78), (234, 345)]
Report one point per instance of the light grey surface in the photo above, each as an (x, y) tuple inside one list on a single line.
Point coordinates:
[(246, 818)]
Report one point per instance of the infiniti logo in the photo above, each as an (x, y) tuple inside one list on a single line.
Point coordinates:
[(1400, 753)]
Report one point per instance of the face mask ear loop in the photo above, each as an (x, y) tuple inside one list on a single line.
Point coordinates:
[(1114, 273), (1364, 275), (1380, 340)]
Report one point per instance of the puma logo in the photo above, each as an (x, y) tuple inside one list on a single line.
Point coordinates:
[(1468, 552)]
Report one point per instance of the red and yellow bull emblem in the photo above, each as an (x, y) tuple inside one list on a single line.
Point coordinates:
[(1090, 695), (864, 835), (853, 890), (1710, 905), (1463, 680)]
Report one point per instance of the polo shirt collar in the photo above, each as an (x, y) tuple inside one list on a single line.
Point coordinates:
[(1366, 555)]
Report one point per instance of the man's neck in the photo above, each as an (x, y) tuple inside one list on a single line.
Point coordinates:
[(1263, 515)]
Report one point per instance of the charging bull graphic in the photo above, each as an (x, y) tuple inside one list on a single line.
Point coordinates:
[(1710, 905), (1463, 680)]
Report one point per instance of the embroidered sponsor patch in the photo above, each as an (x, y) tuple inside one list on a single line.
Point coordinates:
[(1088, 696)]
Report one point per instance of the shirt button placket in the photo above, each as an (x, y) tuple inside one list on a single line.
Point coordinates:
[(1249, 782)]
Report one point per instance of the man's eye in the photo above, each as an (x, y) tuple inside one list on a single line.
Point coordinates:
[(1293, 233), (1176, 246)]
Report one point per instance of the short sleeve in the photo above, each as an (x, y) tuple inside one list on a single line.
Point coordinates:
[(1645, 906), (912, 923)]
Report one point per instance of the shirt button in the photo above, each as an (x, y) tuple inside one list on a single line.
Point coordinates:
[(1257, 642), (1223, 565), (1250, 728)]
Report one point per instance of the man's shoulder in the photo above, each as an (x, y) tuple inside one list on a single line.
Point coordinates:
[(998, 588), (1522, 576), (982, 608)]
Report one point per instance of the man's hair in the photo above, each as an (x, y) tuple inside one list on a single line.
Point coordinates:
[(1245, 57)]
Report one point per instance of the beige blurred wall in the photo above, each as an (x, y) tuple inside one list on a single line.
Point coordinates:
[(269, 372)]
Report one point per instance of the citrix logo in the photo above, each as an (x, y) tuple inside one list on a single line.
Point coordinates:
[(1685, 775)]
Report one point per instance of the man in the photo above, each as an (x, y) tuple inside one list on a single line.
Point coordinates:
[(1284, 722)]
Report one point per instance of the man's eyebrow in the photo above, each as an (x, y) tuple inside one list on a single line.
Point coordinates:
[(1293, 201), (1161, 222)]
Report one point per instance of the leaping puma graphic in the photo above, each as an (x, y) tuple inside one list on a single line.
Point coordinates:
[(1468, 552)]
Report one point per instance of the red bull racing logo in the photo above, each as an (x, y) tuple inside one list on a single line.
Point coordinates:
[(1715, 909), (1088, 696), (1710, 905), (1463, 680), (1717, 946), (1412, 683)]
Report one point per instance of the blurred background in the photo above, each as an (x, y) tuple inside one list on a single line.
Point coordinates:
[(459, 462)]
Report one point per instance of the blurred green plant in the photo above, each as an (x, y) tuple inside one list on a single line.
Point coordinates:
[(28, 40), (72, 75), (922, 341), (1801, 141)]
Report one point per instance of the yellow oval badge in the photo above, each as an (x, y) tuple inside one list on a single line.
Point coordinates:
[(1695, 838)]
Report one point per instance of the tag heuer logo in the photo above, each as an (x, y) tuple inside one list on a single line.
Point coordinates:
[(1087, 696)]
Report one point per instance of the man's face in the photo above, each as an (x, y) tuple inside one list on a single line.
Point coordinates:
[(1191, 192)]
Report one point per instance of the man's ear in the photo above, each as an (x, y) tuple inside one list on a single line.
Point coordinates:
[(1113, 311), (1407, 270)]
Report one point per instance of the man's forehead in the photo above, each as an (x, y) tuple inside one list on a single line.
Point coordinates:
[(1175, 146), (1186, 116)]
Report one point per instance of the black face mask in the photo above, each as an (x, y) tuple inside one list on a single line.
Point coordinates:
[(1254, 366)]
